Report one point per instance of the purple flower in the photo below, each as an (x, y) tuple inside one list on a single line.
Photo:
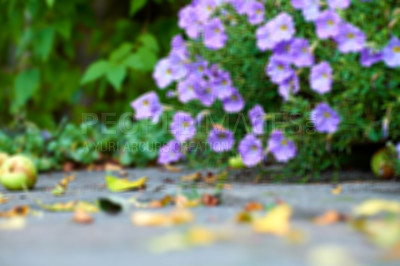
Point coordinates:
[(182, 126), (321, 77), (220, 140), (251, 151), (206, 8), (391, 53), (289, 86), (186, 89), (257, 119), (234, 103), (205, 93), (179, 64), (309, 8), (325, 119), (214, 34), (264, 37), (301, 53), (282, 148), (242, 7), (178, 45), (163, 73), (341, 4), (278, 70), (398, 150), (255, 13), (350, 38), (327, 24), (222, 85), (283, 27), (170, 153), (199, 67), (283, 51), (147, 106), (189, 20), (370, 57)]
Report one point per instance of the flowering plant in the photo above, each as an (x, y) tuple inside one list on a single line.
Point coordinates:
[(303, 80)]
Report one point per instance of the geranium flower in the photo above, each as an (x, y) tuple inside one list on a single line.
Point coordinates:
[(391, 53), (282, 148), (350, 38), (257, 119), (205, 92), (321, 77), (325, 119), (220, 140), (148, 106), (264, 37), (214, 34), (234, 103), (182, 126), (251, 150), (170, 153), (370, 57), (301, 53), (327, 24), (283, 27), (255, 12), (278, 70), (186, 88)]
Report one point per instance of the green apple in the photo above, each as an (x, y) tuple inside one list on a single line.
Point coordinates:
[(236, 162), (382, 165), (18, 172), (3, 157)]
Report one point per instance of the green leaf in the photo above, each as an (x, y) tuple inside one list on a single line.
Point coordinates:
[(50, 3), (95, 71), (134, 61), (43, 43), (25, 85), (122, 52), (149, 41), (116, 76), (116, 184), (147, 57), (136, 5)]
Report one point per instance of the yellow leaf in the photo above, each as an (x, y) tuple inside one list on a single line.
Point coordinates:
[(176, 217), (337, 190), (276, 221), (3, 199), (16, 223), (172, 168), (201, 236), (116, 184), (18, 211), (384, 233), (62, 186), (375, 206), (69, 206)]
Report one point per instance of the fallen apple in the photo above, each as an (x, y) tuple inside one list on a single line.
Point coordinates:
[(382, 165), (3, 157), (18, 172), (236, 162)]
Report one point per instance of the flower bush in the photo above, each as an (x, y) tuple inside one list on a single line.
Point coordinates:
[(300, 81)]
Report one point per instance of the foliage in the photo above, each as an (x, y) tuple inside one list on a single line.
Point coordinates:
[(47, 45)]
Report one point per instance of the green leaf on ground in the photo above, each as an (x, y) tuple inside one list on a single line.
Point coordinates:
[(116, 184)]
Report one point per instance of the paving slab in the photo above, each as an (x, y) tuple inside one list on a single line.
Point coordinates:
[(54, 240)]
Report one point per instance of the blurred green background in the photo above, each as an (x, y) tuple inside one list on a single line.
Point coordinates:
[(61, 58)]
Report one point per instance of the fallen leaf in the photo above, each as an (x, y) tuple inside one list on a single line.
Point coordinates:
[(296, 237), (68, 167), (201, 236), (18, 211), (112, 167), (329, 217), (116, 184), (16, 223), (82, 217), (210, 200), (276, 221), (181, 201), (3, 199), (172, 168), (211, 178), (376, 206), (244, 217), (195, 177), (337, 190), (62, 186), (383, 233), (179, 216), (254, 206), (161, 203), (68, 206), (331, 255), (393, 253)]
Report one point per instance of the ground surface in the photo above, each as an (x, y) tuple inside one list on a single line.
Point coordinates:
[(55, 240)]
